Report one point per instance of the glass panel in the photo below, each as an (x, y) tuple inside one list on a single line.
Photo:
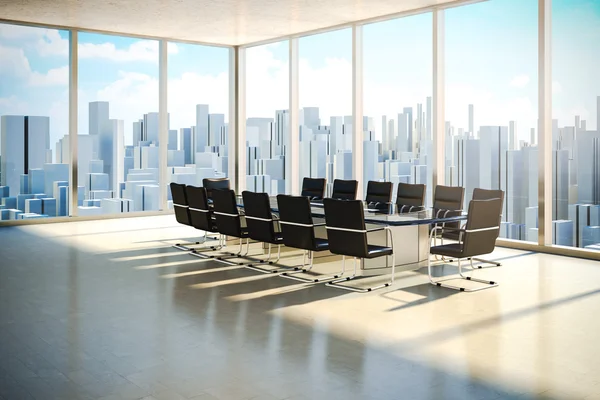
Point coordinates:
[(267, 123), (491, 107), (325, 82), (198, 113), (397, 101), (34, 121), (576, 124), (118, 125)]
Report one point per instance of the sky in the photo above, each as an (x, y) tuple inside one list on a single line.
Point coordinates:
[(490, 60)]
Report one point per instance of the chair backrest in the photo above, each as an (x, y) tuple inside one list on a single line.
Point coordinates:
[(346, 229), (379, 192), (180, 204), (410, 197), (448, 197), (487, 194), (226, 213), (259, 219), (344, 190), (211, 184), (201, 214), (314, 188), (296, 221), (482, 228)]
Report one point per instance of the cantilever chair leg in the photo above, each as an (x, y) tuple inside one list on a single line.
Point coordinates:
[(438, 282), (362, 290), (267, 261), (483, 261), (320, 278)]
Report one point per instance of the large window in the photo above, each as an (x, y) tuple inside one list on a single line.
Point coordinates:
[(34, 115), (267, 123), (198, 103), (325, 82), (118, 125), (491, 107), (397, 104), (576, 127)]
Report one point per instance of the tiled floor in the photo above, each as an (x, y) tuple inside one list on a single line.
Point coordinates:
[(109, 310)]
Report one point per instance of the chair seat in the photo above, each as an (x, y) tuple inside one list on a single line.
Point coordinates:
[(321, 244), (450, 250), (374, 251)]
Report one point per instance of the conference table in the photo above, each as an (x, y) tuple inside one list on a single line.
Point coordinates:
[(410, 232)]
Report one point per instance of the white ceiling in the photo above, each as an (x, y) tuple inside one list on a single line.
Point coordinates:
[(227, 22)]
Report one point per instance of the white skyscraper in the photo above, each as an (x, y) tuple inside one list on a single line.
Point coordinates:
[(23, 143)]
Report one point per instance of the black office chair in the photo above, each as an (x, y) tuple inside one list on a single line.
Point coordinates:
[(347, 236), (448, 202), (201, 216), (314, 188), (262, 225), (182, 212), (410, 197), (298, 230), (477, 238), (229, 222), (211, 184), (486, 194), (379, 195), (344, 189)]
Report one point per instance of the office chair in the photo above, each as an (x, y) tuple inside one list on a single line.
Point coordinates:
[(229, 222), (262, 225), (410, 197), (379, 195), (211, 184), (201, 216), (314, 188), (347, 236), (477, 238), (344, 189), (448, 202), (182, 212), (298, 231)]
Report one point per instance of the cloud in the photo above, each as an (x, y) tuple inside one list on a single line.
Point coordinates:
[(54, 77), (45, 42), (141, 50), (13, 63), (52, 44), (520, 81)]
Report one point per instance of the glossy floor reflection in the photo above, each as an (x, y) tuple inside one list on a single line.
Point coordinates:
[(108, 310)]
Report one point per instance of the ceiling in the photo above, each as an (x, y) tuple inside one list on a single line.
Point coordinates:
[(225, 22)]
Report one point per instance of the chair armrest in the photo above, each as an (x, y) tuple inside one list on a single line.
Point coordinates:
[(321, 224), (375, 229), (432, 235)]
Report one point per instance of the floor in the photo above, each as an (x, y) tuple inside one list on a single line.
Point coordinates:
[(109, 310)]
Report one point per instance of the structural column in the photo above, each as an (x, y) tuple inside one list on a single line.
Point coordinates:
[(73, 89), (545, 123), (438, 108), (292, 184), (357, 108), (163, 124), (237, 119)]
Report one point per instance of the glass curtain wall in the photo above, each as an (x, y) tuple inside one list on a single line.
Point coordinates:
[(118, 138), (198, 103), (491, 107), (325, 96), (34, 122), (397, 67), (267, 123), (576, 124)]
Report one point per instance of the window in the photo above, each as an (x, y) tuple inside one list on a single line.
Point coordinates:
[(491, 107), (118, 125), (267, 123), (576, 125), (198, 103), (397, 65), (34, 120), (325, 82)]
